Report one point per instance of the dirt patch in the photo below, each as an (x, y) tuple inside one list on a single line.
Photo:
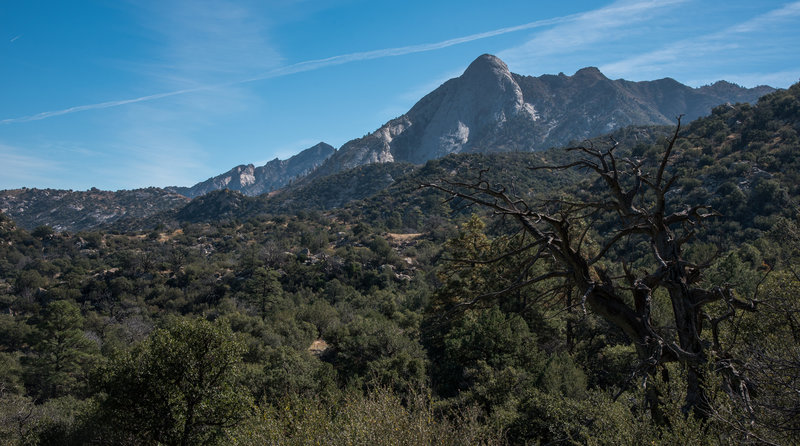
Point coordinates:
[(403, 237), (318, 347), (165, 237)]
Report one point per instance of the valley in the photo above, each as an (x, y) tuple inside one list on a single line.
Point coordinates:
[(409, 287)]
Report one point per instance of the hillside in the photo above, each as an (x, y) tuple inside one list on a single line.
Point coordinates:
[(489, 109), (744, 160), (77, 210), (486, 110)]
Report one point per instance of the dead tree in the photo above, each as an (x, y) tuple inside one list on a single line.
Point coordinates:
[(637, 195)]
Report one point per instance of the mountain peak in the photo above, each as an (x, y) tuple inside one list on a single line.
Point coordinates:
[(322, 146), (486, 63), (591, 72), (489, 109)]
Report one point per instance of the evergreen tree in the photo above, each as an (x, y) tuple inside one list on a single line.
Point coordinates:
[(179, 387)]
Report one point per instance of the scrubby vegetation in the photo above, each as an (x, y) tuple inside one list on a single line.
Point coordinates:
[(388, 322)]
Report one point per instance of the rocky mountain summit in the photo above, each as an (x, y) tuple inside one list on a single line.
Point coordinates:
[(489, 109), (251, 180), (454, 118)]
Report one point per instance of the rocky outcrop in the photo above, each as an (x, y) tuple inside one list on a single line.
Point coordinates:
[(454, 118), (251, 180), (490, 109)]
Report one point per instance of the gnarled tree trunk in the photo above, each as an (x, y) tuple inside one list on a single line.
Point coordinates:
[(637, 195)]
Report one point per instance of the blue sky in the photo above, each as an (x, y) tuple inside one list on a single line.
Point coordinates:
[(125, 94)]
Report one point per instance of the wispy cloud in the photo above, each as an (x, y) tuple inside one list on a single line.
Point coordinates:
[(404, 50), (203, 40), (614, 22), (317, 64), (157, 155), (99, 106), (15, 38), (789, 11), (725, 46), (20, 169), (203, 45)]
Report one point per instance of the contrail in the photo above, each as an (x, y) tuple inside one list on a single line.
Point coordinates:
[(316, 64), (404, 50), (109, 104), (681, 49), (300, 67)]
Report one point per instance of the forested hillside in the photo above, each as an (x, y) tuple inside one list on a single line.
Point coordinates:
[(419, 313)]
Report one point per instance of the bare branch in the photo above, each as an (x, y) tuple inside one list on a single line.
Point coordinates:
[(498, 258), (667, 153), (639, 199)]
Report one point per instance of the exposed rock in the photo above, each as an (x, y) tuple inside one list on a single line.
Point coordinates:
[(251, 180), (490, 109), (318, 347), (67, 210)]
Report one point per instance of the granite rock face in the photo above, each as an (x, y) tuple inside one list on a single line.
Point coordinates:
[(490, 109), (454, 118), (251, 180)]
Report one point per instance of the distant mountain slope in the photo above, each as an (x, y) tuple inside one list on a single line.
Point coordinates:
[(382, 191), (489, 109), (339, 189), (251, 180), (486, 110), (322, 194), (66, 210), (742, 159)]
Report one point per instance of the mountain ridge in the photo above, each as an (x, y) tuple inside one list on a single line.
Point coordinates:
[(490, 109), (252, 180), (67, 210), (487, 109)]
